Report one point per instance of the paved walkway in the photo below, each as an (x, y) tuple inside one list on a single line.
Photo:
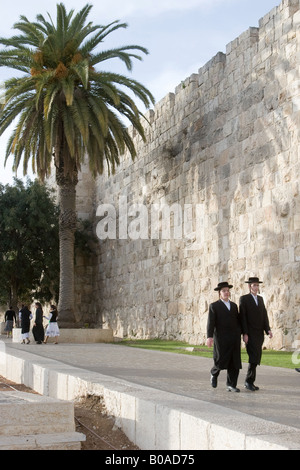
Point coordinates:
[(187, 376)]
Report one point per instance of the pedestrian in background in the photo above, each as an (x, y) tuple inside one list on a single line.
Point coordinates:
[(52, 330), (9, 318), (38, 328), (25, 316)]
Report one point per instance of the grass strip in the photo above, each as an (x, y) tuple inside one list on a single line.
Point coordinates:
[(270, 357)]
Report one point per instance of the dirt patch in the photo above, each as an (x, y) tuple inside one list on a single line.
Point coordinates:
[(100, 429), (8, 386), (91, 420)]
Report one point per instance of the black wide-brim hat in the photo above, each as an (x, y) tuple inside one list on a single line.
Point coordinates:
[(221, 285), (253, 280)]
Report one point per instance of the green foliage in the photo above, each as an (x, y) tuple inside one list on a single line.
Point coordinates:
[(269, 357), (29, 261)]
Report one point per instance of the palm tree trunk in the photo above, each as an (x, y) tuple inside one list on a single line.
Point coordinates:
[(67, 227)]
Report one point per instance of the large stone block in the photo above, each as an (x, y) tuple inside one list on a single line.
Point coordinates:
[(30, 422), (74, 335)]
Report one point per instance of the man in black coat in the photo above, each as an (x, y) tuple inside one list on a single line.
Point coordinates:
[(224, 333), (255, 322)]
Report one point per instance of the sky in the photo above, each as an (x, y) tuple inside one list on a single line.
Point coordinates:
[(180, 35)]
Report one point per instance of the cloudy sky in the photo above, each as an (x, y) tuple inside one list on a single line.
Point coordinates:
[(181, 36)]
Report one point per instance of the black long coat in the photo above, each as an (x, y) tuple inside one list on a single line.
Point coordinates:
[(38, 329), (255, 322), (25, 320), (224, 326)]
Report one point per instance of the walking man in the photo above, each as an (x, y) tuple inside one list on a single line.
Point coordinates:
[(224, 333), (255, 322)]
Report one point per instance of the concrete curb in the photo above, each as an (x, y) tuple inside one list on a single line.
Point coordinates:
[(152, 419), (73, 335)]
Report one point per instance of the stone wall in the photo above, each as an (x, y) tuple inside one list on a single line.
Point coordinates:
[(225, 149)]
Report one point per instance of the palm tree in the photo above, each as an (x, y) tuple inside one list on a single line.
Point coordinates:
[(67, 109)]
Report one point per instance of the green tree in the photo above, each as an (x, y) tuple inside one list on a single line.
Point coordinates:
[(66, 109), (29, 260)]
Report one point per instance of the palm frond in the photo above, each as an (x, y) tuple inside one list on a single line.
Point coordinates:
[(63, 104)]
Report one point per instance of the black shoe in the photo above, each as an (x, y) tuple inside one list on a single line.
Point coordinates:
[(297, 370), (214, 381), (250, 387), (232, 389)]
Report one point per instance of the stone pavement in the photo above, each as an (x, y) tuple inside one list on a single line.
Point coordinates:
[(170, 391)]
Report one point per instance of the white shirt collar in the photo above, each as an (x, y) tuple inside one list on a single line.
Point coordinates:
[(227, 303)]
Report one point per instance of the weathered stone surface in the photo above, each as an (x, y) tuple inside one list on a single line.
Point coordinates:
[(225, 148), (34, 422)]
